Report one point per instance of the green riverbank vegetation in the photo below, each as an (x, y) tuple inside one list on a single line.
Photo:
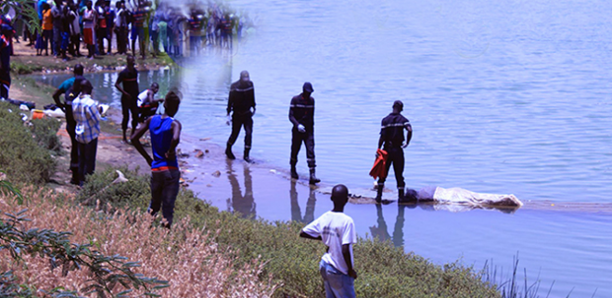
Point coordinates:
[(207, 252)]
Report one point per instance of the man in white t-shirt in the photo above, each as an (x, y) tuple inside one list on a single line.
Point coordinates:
[(336, 230)]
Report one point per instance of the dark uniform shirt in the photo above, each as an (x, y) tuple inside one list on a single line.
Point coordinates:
[(392, 129), (301, 111), (241, 98), (130, 82)]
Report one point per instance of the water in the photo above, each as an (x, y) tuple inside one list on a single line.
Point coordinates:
[(509, 97)]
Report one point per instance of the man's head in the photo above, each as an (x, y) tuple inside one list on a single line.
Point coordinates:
[(339, 196), (86, 87), (244, 76), (119, 4), (154, 88), (78, 69), (88, 4), (171, 103), (398, 106), (307, 88), (130, 60)]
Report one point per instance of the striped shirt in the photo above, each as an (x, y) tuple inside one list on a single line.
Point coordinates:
[(87, 117)]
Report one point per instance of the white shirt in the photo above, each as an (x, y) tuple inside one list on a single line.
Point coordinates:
[(335, 229)]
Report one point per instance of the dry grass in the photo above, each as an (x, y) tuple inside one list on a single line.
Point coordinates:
[(189, 259)]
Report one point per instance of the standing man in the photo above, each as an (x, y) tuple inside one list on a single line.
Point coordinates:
[(109, 14), (337, 231), (241, 101), (121, 28), (129, 95), (89, 24), (71, 87), (165, 136), (87, 117), (301, 115), (392, 138)]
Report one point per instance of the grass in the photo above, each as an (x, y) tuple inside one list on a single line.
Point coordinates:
[(29, 64)]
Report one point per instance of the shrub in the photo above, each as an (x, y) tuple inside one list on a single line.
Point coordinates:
[(384, 270), (21, 157), (45, 132)]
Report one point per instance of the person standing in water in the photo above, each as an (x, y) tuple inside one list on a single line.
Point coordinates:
[(129, 95), (242, 101), (165, 175), (301, 115), (392, 141)]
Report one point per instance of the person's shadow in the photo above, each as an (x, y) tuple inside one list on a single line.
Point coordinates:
[(296, 213), (244, 205), (380, 232)]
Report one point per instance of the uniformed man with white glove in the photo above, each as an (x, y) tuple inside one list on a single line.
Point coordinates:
[(301, 115)]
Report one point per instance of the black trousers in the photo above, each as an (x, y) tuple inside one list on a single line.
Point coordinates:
[(5, 84), (395, 156), (74, 145), (297, 139), (87, 159), (121, 40), (164, 189), (127, 106), (237, 122)]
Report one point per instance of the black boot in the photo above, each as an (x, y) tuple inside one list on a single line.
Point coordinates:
[(313, 178), (246, 155), (379, 192), (400, 195), (294, 174), (228, 152)]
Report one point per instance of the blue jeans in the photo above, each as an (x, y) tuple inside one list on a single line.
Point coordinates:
[(337, 284)]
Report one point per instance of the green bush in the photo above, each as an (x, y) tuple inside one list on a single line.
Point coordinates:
[(384, 270), (45, 132), (21, 157)]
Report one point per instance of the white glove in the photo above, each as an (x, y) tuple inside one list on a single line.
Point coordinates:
[(301, 128), (228, 120)]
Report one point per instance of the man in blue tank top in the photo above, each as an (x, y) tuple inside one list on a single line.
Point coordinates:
[(165, 136)]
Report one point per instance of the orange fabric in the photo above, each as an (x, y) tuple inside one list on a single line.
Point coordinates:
[(378, 170), (47, 20)]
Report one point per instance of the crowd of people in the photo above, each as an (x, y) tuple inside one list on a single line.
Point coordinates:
[(126, 25)]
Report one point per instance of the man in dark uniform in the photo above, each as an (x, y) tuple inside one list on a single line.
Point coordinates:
[(392, 137), (241, 101), (129, 95), (301, 114), (71, 88)]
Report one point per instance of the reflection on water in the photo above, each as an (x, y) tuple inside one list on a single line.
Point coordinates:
[(381, 232), (239, 203), (296, 213)]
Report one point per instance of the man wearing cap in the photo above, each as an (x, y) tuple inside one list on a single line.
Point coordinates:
[(301, 115), (392, 137), (242, 101)]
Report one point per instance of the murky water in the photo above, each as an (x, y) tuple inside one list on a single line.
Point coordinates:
[(509, 97)]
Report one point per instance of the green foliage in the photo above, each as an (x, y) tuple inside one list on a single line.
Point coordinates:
[(384, 270), (21, 156), (7, 188), (106, 271), (45, 132), (22, 7)]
